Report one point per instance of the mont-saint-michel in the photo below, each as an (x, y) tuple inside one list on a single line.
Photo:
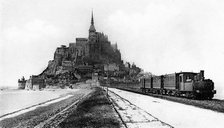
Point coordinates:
[(130, 64), (80, 61)]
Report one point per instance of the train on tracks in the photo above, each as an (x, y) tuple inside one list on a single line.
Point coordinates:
[(183, 84)]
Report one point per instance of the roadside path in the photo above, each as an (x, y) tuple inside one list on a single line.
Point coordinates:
[(133, 116)]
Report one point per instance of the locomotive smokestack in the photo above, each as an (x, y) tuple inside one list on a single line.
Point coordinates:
[(202, 75)]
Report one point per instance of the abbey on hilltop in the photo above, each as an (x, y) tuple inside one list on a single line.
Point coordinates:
[(80, 60), (92, 51)]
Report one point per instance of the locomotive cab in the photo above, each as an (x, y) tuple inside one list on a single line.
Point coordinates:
[(186, 80)]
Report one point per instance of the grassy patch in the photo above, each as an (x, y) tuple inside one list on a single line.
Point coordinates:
[(96, 111)]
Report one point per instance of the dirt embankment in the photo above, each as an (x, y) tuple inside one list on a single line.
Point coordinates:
[(96, 111)]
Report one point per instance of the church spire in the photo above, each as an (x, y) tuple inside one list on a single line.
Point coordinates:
[(92, 27), (92, 20)]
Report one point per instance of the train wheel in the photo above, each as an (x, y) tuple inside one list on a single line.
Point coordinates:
[(189, 95), (176, 94), (164, 92), (170, 93), (161, 92), (194, 97), (210, 97)]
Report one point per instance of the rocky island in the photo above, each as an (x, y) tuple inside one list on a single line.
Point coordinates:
[(94, 57)]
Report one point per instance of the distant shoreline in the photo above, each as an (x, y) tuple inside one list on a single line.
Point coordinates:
[(8, 89)]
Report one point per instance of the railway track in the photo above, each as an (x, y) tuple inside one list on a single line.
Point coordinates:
[(214, 104)]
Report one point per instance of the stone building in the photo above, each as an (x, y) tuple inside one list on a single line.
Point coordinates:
[(67, 65), (22, 83), (35, 83), (61, 54), (111, 67)]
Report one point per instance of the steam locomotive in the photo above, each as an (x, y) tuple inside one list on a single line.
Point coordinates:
[(182, 84)]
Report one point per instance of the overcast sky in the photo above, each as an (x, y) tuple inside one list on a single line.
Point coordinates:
[(160, 36)]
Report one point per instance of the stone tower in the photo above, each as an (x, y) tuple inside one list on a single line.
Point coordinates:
[(92, 30), (93, 43)]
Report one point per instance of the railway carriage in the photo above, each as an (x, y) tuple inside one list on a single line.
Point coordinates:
[(157, 84), (146, 84)]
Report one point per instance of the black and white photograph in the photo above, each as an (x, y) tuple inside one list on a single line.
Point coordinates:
[(111, 63)]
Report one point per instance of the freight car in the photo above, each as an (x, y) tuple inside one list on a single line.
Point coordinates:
[(182, 84)]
